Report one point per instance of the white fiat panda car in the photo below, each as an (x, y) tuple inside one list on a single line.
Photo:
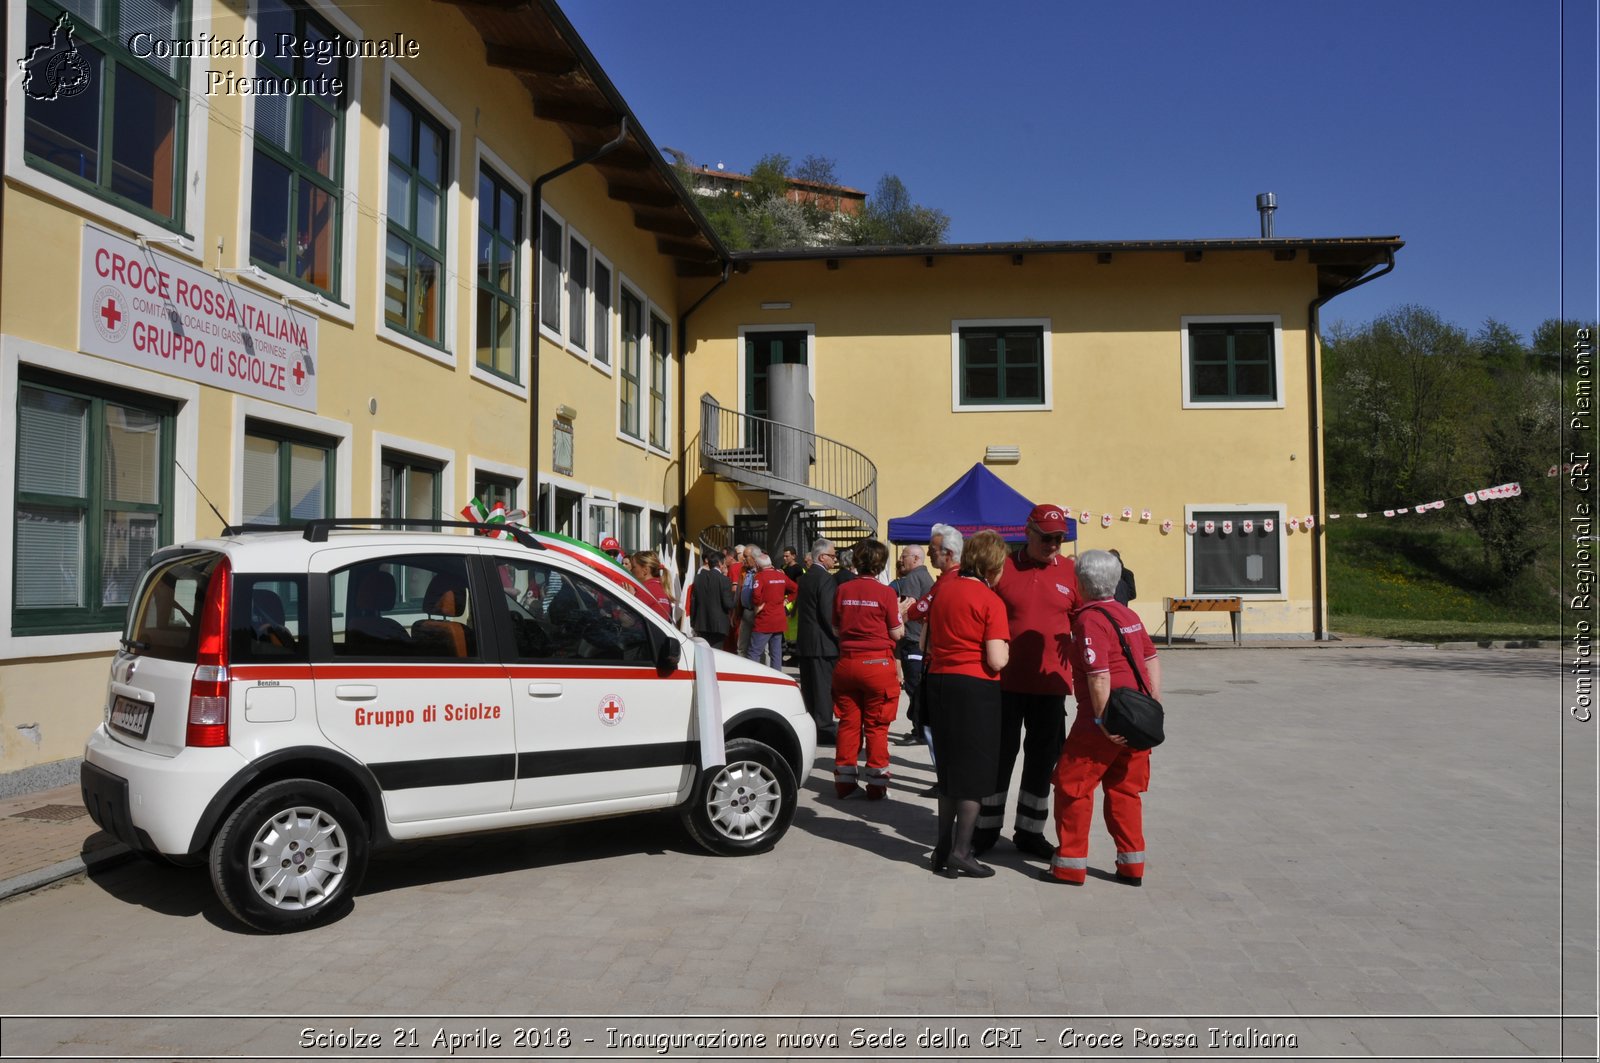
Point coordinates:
[(286, 700)]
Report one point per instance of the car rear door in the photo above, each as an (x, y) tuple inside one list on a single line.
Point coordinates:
[(406, 682), (595, 721)]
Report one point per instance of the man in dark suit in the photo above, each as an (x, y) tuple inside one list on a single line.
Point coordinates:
[(713, 600), (817, 648)]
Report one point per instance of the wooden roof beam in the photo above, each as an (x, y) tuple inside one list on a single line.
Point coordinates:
[(666, 224), (577, 114), (524, 60), (685, 249), (643, 195)]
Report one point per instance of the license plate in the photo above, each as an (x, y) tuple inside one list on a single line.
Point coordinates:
[(130, 717)]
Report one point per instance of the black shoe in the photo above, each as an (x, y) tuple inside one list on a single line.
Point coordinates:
[(1129, 880), (1034, 845), (1049, 876), (941, 860), (966, 865)]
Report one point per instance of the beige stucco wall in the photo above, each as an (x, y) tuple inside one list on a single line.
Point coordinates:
[(1117, 434), (58, 683)]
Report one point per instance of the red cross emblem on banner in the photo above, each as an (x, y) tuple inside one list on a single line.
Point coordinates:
[(612, 710), (111, 314)]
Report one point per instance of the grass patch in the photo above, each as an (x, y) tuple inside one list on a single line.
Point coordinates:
[(1429, 584)]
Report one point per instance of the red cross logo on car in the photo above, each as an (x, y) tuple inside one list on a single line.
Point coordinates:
[(612, 710)]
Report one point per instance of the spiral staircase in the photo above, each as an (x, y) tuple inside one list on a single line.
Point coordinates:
[(815, 486)]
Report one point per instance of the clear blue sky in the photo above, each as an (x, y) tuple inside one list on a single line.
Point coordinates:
[(1441, 121)]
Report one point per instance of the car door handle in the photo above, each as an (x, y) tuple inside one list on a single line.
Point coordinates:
[(545, 690), (355, 692)]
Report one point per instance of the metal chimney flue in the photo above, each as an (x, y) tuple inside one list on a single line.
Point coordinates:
[(1267, 204)]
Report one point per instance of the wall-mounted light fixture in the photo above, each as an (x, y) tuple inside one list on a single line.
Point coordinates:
[(565, 412), (1002, 455), (775, 306)]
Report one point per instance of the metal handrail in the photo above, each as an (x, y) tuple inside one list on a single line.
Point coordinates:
[(816, 468)]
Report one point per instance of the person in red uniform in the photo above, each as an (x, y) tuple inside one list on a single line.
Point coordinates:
[(736, 563), (866, 679), (967, 640), (771, 591), (1092, 757), (1040, 589), (646, 568)]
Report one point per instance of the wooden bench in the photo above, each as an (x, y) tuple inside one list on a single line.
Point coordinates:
[(1233, 606)]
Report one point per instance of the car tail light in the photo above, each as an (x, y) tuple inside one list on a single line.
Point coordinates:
[(208, 690)]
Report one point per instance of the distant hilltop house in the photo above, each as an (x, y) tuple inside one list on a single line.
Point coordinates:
[(837, 199)]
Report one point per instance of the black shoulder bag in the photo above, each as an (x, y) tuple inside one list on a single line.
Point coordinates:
[(1133, 714)]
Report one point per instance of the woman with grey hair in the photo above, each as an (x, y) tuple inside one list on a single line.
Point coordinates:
[(1092, 757)]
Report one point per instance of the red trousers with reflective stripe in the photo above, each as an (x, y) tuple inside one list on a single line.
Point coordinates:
[(1090, 759), (866, 699)]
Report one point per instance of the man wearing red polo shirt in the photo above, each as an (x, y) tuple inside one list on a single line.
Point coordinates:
[(1040, 590), (771, 590)]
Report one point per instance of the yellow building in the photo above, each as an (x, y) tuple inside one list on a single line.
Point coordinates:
[(264, 260)]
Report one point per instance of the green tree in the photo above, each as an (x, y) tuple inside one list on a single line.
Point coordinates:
[(892, 219)]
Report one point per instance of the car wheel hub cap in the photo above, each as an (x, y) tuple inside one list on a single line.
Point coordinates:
[(298, 858), (744, 800)]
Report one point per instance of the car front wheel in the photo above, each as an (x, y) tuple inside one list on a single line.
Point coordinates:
[(290, 856), (746, 805)]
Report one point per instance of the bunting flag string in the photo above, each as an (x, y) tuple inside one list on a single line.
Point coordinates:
[(1293, 524)]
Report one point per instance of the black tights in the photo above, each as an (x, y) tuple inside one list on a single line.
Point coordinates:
[(958, 820)]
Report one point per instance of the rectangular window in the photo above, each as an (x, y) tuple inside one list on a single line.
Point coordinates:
[(660, 531), (632, 344), (1231, 362), (1232, 558), (297, 183), (628, 527), (491, 489), (550, 236), (419, 172), (499, 274), (602, 520), (98, 116), (93, 501), (660, 351), (410, 486), (602, 312), (1002, 366), (288, 475), (577, 294)]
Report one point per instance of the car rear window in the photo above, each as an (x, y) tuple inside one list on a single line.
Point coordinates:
[(269, 619), (164, 617)]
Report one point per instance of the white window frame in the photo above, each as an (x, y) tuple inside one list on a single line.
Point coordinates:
[(557, 335), (519, 473), (1042, 323), (1190, 509), (15, 353), (610, 323), (809, 328), (394, 74), (382, 441), (581, 351), (186, 241), (1276, 320), (341, 432), (240, 258), (484, 154)]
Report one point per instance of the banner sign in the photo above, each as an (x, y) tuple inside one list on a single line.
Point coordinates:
[(144, 308)]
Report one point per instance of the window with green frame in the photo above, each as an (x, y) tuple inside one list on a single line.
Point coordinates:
[(93, 501), (490, 489), (288, 475), (1233, 362), (602, 312), (410, 487), (1002, 366), (632, 342), (499, 274), (101, 117), (628, 518), (297, 178), (660, 351), (577, 293), (419, 169)]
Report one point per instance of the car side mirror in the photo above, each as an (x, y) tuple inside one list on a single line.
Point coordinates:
[(668, 653)]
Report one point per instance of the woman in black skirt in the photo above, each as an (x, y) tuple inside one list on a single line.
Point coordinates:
[(968, 641)]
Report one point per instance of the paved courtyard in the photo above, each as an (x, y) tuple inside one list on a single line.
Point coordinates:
[(1354, 853)]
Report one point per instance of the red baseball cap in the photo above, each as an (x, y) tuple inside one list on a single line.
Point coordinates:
[(610, 545), (1048, 519)]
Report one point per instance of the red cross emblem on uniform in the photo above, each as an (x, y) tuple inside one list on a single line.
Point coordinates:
[(612, 710)]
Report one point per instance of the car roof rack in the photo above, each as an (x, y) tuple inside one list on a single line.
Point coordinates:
[(316, 530)]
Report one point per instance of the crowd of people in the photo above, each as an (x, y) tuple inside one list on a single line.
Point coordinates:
[(987, 651)]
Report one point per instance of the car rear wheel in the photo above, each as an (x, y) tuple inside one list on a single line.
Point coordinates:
[(746, 805), (290, 856)]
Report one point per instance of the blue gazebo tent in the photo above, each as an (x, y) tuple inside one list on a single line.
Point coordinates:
[(979, 499)]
